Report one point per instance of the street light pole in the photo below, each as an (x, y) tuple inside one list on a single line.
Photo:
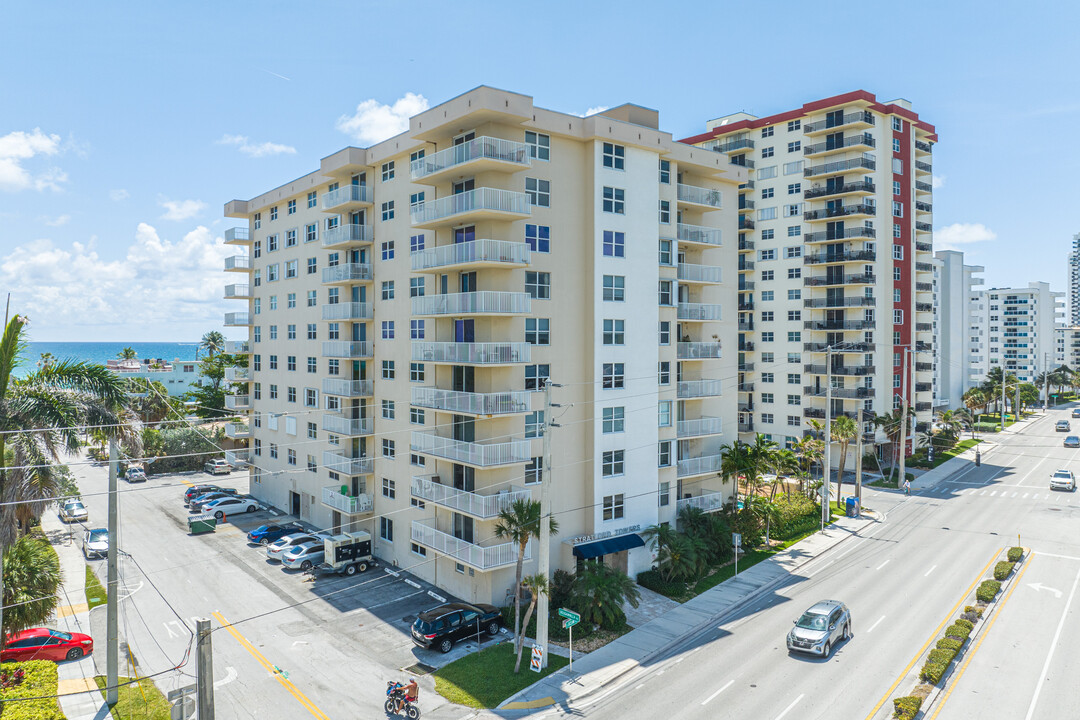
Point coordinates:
[(112, 629), (827, 491), (544, 553)]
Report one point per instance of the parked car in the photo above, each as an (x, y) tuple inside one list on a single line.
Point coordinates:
[(304, 556), (819, 629), (1072, 441), (277, 549), (1063, 480), (200, 502), (217, 466), (74, 511), (266, 534), (1062, 426), (1076, 412), (441, 627), (45, 644), (135, 474), (95, 543), (196, 490), (230, 506)]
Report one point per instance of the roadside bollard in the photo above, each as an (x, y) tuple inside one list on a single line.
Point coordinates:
[(978, 458)]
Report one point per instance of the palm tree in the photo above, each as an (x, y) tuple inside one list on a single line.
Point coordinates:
[(46, 359), (768, 511), (537, 586), (975, 398), (519, 523), (32, 577), (601, 591), (761, 459), (890, 425), (127, 353), (810, 450), (734, 462), (785, 463), (39, 420), (213, 342), (949, 422), (842, 429), (964, 420)]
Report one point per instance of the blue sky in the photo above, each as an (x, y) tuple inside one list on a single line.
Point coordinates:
[(124, 127)]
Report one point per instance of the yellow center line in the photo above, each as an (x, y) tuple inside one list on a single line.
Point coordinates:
[(933, 636), (303, 699), (967, 659)]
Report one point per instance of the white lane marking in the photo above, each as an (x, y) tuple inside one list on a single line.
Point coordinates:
[(934, 567), (640, 686), (1039, 586), (1063, 557), (877, 623), (992, 494), (230, 675), (680, 660), (1014, 494), (390, 602), (137, 589), (881, 565), (1025, 496), (662, 671), (1053, 646), (788, 708), (981, 492), (726, 686)]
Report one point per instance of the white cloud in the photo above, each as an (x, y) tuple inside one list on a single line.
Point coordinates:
[(119, 194), (17, 147), (937, 181), (256, 149), (593, 110), (181, 209), (374, 122), (57, 221), (953, 237)]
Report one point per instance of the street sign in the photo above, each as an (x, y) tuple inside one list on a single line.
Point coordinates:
[(571, 617), (537, 658), (736, 539)]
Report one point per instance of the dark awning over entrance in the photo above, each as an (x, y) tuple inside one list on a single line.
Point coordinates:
[(607, 546)]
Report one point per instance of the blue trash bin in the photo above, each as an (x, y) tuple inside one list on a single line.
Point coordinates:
[(852, 507)]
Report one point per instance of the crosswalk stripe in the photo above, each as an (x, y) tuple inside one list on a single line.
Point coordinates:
[(1025, 496), (992, 494)]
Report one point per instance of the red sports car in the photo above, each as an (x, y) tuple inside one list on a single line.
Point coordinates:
[(44, 644)]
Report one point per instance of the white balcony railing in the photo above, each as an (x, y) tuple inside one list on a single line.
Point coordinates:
[(474, 251), (347, 464), (237, 347), (699, 195), (237, 402), (482, 454), (341, 424), (471, 403), (698, 311), (470, 503), (699, 427), (699, 465), (699, 273), (481, 557), (698, 388), (492, 353), (348, 233), (706, 502), (348, 311), (481, 148), (473, 303), (237, 431), (237, 374), (348, 272), (237, 319), (698, 234), (346, 195), (348, 388), (348, 504), (238, 262), (480, 199), (237, 236), (697, 350), (351, 350), (241, 457), (237, 291)]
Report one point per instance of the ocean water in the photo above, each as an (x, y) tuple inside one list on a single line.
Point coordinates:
[(100, 352)]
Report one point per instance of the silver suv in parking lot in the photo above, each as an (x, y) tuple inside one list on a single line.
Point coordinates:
[(819, 629)]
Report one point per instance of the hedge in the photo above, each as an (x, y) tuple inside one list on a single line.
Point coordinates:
[(1015, 553), (965, 623), (960, 632), (973, 609), (988, 590), (41, 679), (937, 662), (1002, 570), (906, 708), (948, 643), (652, 580)]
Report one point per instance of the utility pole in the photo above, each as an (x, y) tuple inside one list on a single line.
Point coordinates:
[(1046, 382), (903, 419), (544, 554), (204, 683), (858, 458), (826, 490), (1003, 376), (112, 632)]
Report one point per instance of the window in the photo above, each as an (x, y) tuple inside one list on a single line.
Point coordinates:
[(273, 450), (767, 377), (256, 363), (896, 293), (290, 395), (312, 198), (612, 463), (290, 268), (896, 188), (793, 210), (767, 418), (534, 424), (614, 288), (614, 244), (665, 332), (388, 329), (539, 145), (312, 265), (665, 293), (794, 420), (538, 191), (291, 458), (257, 219), (794, 273), (794, 125), (388, 290), (613, 507), (767, 316), (312, 332), (538, 285), (388, 371), (416, 416), (767, 193), (896, 144), (613, 419), (768, 213), (898, 209), (416, 329), (415, 201), (613, 332), (766, 254), (273, 213), (794, 146), (793, 251), (663, 412), (794, 378), (311, 398), (290, 238), (767, 152), (767, 398), (271, 243), (388, 250), (256, 249), (794, 231), (416, 287), (666, 257), (898, 166), (767, 336), (273, 362), (386, 530), (614, 156), (388, 411), (537, 331), (665, 212), (272, 273), (665, 172), (898, 317), (311, 298), (898, 252), (290, 363), (794, 188), (794, 315), (794, 336), (767, 295), (257, 302), (767, 132), (897, 231), (536, 376), (389, 448), (388, 210), (664, 457), (794, 399), (416, 372), (538, 238), (612, 375), (614, 200), (663, 373), (767, 274), (793, 168), (333, 330), (534, 471), (388, 171), (416, 243), (897, 124)]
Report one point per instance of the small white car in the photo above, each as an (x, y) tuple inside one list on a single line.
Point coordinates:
[(304, 557), (281, 546), (135, 475), (1062, 426), (74, 511), (1063, 480), (95, 543), (217, 466), (231, 506)]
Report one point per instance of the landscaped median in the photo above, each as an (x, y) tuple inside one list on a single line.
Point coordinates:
[(956, 639)]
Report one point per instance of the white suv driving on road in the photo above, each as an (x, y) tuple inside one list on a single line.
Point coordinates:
[(1063, 480)]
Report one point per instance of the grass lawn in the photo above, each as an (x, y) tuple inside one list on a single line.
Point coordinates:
[(95, 591), (486, 678), (885, 483), (132, 704)]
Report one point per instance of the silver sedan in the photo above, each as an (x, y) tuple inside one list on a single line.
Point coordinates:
[(820, 628)]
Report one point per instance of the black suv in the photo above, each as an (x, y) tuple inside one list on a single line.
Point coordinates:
[(441, 627), (198, 490)]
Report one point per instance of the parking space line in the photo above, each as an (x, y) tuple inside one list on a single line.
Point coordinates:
[(391, 602)]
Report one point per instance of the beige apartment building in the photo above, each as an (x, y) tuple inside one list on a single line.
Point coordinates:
[(835, 253), (406, 303)]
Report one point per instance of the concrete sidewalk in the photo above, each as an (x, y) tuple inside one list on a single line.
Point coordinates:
[(653, 639)]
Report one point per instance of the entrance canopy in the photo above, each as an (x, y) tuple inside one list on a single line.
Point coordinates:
[(607, 546)]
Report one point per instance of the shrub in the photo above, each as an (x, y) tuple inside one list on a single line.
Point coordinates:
[(907, 707), (948, 643), (942, 656), (652, 580), (1003, 570), (40, 679), (988, 590), (970, 616), (933, 672), (1015, 553), (977, 610), (562, 588), (960, 632), (965, 623)]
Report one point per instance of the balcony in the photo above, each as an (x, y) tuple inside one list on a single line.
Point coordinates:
[(832, 213), (475, 504), (237, 347), (698, 234), (237, 374), (688, 273), (853, 120), (745, 285), (839, 167), (748, 185), (348, 235), (924, 287), (924, 206), (923, 167), (733, 145), (346, 464), (347, 273), (746, 346), (348, 197), (705, 502), (862, 141), (746, 367), (478, 556), (349, 350), (700, 427), (333, 498), (472, 353), (838, 325), (483, 203), (348, 388), (237, 292), (819, 414), (923, 387), (475, 453), (927, 367), (745, 244), (698, 466), (745, 265), (697, 350), (929, 247), (745, 223), (238, 263), (856, 370), (745, 203), (924, 307), (742, 161), (925, 187), (237, 431), (745, 326), (699, 196), (745, 306), (237, 319), (928, 267), (348, 311), (698, 312), (241, 457), (348, 422), (238, 402), (859, 187), (745, 387), (689, 389), (840, 257), (237, 236), (472, 255), (478, 155), (484, 302), (855, 393), (921, 346), (853, 347), (924, 327), (923, 406), (840, 302), (924, 226), (510, 402), (845, 234), (839, 279), (745, 426), (923, 147)]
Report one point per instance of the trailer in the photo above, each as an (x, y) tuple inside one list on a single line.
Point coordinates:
[(347, 553)]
